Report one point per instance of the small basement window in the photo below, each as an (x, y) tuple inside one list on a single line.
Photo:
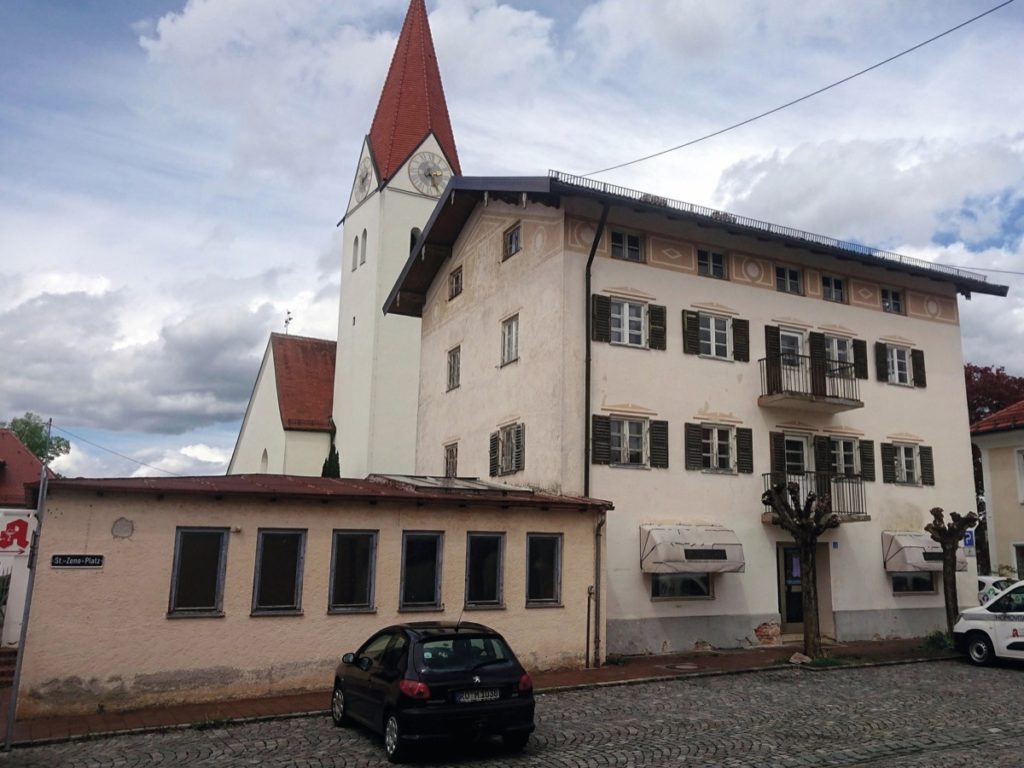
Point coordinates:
[(681, 586), (352, 570), (922, 582), (197, 579)]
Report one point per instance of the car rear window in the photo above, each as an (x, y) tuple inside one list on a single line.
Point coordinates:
[(462, 653)]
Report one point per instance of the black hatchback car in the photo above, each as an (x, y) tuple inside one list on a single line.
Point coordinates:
[(427, 681)]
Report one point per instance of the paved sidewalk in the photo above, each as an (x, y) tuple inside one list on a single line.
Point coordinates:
[(627, 670)]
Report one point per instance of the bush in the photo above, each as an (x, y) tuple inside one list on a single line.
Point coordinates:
[(937, 641)]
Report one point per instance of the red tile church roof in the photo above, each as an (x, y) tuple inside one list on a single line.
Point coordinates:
[(1001, 421), (304, 370), (412, 103)]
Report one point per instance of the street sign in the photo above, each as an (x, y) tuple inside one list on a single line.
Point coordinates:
[(969, 539), (76, 561)]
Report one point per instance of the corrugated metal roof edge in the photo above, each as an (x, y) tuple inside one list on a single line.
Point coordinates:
[(318, 488)]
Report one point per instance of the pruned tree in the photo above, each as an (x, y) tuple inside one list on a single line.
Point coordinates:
[(332, 464), (805, 523), (949, 535), (32, 431)]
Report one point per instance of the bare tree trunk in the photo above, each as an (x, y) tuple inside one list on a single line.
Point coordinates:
[(809, 595), (949, 585)]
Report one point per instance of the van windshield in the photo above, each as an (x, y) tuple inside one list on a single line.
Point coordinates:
[(462, 653)]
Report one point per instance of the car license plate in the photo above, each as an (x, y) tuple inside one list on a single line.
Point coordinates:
[(479, 694)]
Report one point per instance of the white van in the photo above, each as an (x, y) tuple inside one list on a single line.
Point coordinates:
[(994, 629)]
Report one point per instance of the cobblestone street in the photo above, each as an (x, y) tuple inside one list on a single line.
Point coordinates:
[(935, 714)]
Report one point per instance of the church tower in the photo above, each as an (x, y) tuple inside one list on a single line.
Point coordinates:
[(406, 161)]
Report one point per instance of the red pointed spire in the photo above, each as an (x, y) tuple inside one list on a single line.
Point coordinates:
[(412, 102)]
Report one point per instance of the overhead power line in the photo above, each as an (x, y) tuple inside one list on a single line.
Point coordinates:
[(802, 98), (109, 450)]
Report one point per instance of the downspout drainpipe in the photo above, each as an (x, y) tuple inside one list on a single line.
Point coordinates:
[(598, 528)]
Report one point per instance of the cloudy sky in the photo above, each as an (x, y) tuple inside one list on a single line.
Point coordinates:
[(172, 172)]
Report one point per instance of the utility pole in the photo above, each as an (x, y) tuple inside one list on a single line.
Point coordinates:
[(33, 551)]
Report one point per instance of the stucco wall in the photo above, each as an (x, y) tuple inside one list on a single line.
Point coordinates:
[(1004, 494), (103, 637), (261, 430), (683, 388)]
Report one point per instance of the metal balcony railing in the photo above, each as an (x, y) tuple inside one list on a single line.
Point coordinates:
[(846, 492), (791, 374)]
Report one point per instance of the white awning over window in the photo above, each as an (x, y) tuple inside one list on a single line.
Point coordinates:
[(910, 551), (689, 549)]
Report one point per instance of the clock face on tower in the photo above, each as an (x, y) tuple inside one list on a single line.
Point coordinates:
[(364, 176), (429, 173)]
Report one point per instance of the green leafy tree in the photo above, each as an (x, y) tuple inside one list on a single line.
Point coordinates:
[(805, 523), (332, 464), (31, 430)]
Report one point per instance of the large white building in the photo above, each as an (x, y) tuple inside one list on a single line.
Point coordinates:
[(588, 339)]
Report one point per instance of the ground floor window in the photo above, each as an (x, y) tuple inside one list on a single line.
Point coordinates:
[(421, 570), (484, 556), (680, 585), (352, 570), (197, 580), (278, 583), (543, 569), (904, 583)]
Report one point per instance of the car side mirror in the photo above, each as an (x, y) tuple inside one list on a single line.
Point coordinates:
[(348, 658)]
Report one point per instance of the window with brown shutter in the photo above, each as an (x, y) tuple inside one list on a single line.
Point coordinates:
[(600, 311), (819, 363), (773, 359), (744, 450), (927, 460), (519, 448), (917, 366), (494, 454), (741, 340), (659, 444), (600, 439), (656, 321), (867, 460), (777, 454), (693, 446), (881, 361), (888, 463), (860, 358), (691, 333)]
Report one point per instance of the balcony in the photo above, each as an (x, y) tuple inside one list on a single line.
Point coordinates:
[(807, 383), (846, 492)]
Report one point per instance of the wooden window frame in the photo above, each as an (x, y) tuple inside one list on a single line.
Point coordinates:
[(893, 300), (556, 601), (790, 271), (714, 443), (371, 577), (625, 246), (892, 353), (499, 603), (217, 610), (454, 378), (512, 241), (707, 268), (622, 434), (300, 566), (712, 343), (455, 283), (843, 292), (510, 340), (451, 459)]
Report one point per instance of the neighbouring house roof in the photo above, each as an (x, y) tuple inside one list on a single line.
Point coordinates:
[(412, 103), (18, 466), (1001, 421), (463, 492), (463, 193), (304, 370)]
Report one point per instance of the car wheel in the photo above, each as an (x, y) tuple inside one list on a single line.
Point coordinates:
[(979, 649), (338, 713), (393, 740), (515, 742)]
